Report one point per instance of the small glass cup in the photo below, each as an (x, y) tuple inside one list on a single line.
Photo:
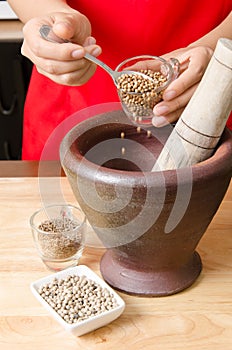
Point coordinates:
[(59, 235), (138, 106)]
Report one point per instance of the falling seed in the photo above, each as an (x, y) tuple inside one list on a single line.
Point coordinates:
[(122, 135), (123, 150), (138, 129), (148, 133)]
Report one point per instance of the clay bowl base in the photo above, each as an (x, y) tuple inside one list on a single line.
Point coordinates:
[(149, 283)]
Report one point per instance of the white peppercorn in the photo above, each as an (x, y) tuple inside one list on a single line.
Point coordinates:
[(77, 298)]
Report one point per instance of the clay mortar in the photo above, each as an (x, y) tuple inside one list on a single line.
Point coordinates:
[(149, 222)]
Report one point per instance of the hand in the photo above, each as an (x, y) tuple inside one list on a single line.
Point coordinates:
[(193, 63), (63, 63)]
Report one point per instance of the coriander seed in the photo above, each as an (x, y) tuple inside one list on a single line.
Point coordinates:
[(58, 238), (140, 95)]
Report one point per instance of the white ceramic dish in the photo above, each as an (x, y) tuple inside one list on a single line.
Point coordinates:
[(87, 325)]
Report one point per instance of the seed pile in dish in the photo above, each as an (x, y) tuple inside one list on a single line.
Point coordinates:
[(77, 298), (139, 94)]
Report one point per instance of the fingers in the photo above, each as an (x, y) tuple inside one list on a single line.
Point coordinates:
[(193, 64), (170, 111), (34, 43), (47, 50), (70, 72), (194, 61), (74, 78), (159, 121), (63, 63), (74, 27), (68, 67), (89, 41)]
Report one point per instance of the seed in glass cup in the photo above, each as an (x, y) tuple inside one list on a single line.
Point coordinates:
[(58, 238), (139, 94)]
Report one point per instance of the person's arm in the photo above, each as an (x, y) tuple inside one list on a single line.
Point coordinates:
[(223, 30), (194, 60), (26, 10)]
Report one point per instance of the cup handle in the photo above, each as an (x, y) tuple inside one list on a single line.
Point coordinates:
[(175, 66)]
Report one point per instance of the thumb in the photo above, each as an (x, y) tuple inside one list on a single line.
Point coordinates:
[(72, 26)]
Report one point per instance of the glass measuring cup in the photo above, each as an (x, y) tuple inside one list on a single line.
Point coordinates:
[(138, 105)]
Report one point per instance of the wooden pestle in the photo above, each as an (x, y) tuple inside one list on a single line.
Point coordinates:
[(201, 124)]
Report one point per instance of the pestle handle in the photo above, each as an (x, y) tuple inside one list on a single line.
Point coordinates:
[(201, 124)]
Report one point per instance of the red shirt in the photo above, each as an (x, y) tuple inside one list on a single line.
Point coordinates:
[(123, 29)]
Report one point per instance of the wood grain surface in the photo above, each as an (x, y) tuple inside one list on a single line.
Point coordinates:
[(198, 318), (32, 168)]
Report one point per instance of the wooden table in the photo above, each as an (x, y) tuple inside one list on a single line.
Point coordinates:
[(198, 318)]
